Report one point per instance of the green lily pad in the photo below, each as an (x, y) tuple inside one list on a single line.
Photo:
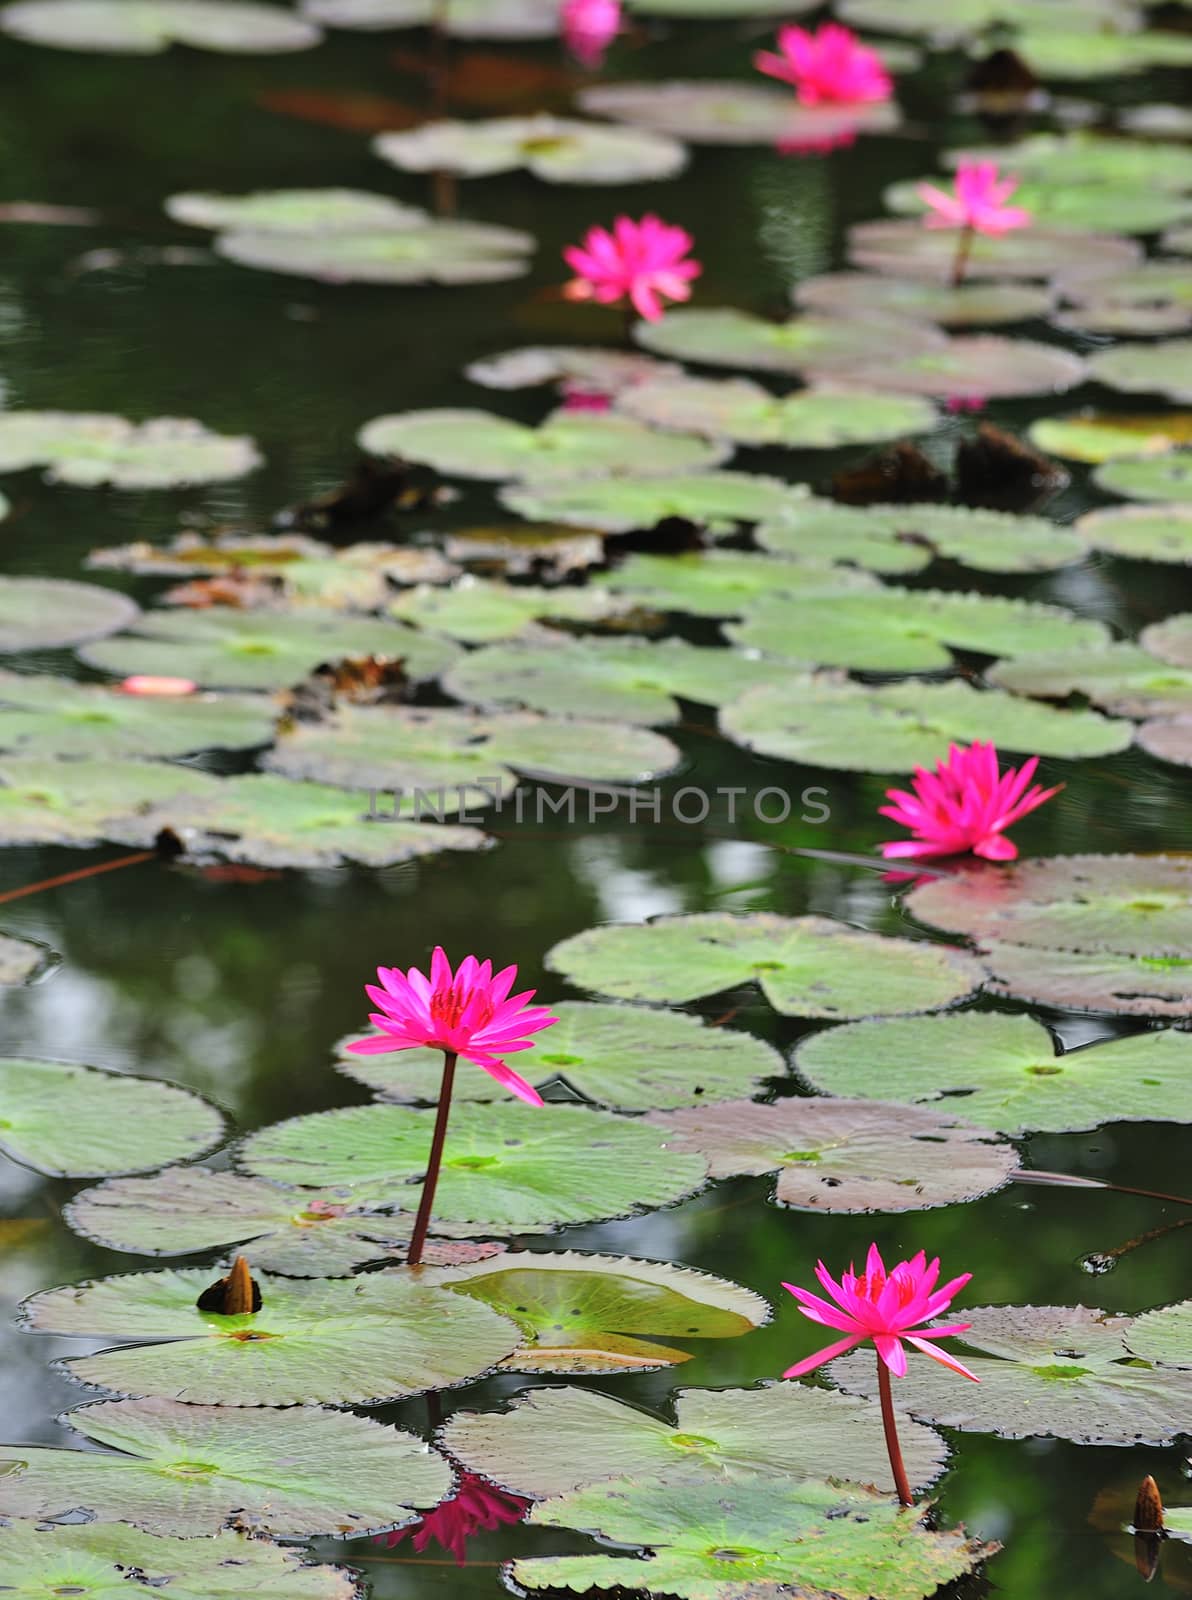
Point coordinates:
[(229, 649), (966, 306), (764, 1538), (594, 1314), (825, 345), (1160, 368), (556, 149), (1087, 54), (1122, 678), (782, 1430), (46, 716), (465, 19), (340, 1341), (91, 448), (311, 1235), (133, 27), (1065, 1372), (1168, 739), (720, 9), (744, 412), (907, 249), (946, 21), (507, 1165), (1124, 319), (476, 444), (1147, 284), (294, 211), (480, 611), (726, 583), (1167, 478), (1171, 640), (79, 1122), (625, 1057), (1004, 1072), (588, 367), (984, 366), (621, 680), (21, 959), (121, 1563), (1120, 985), (82, 802), (826, 720), (1163, 1336), (733, 113), (902, 538), (717, 501), (1084, 157), (441, 252), (1056, 203), (47, 613), (192, 1470), (805, 966), (1095, 436), (908, 630), (1141, 533)]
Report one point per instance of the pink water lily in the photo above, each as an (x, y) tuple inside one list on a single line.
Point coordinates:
[(828, 67), (589, 27), (965, 805), (645, 261), (977, 202)]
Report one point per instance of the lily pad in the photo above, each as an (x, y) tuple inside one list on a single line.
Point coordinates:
[(1096, 436), (46, 716), (21, 959), (1004, 1072), (588, 367), (568, 445), (1171, 639), (732, 113), (192, 1470), (946, 21), (1150, 283), (1161, 368), (121, 1563), (1168, 739), (826, 720), (465, 19), (783, 1430), (1089, 54), (479, 611), (903, 538), (134, 27), (736, 409), (1056, 203), (985, 366), (908, 630), (47, 613), (718, 9), (557, 149), (717, 501), (968, 305), (907, 249), (442, 252), (805, 966), (1065, 1372), (506, 1165), (294, 211), (91, 448), (1163, 1336), (1123, 678), (82, 802), (340, 1341), (1124, 319), (625, 1057), (1085, 157), (726, 583), (1166, 478), (730, 338), (1120, 985), (1141, 533), (595, 1314), (229, 649)]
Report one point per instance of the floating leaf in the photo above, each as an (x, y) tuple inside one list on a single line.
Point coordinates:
[(1056, 203), (21, 959), (966, 305), (907, 249), (1004, 1072), (1122, 678), (192, 1470), (47, 613), (228, 649), (1171, 640), (1122, 319), (342, 1341), (1123, 985), (625, 1057), (729, 338), (295, 211), (825, 720), (79, 1122), (1147, 284), (1160, 368), (1141, 533), (783, 1430), (1096, 436), (1086, 157), (1167, 478), (1168, 739), (121, 1563), (733, 113), (45, 716), (557, 149), (465, 19), (949, 20), (805, 966), (524, 550), (443, 252), (748, 414), (1101, 55), (590, 1313), (1064, 1372), (1163, 1336), (588, 367), (764, 1538), (82, 802), (480, 612), (717, 501), (725, 583), (982, 365), (91, 448), (134, 27)]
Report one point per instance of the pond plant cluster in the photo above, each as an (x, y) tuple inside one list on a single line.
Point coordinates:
[(643, 576)]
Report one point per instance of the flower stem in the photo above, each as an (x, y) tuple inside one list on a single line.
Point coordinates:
[(430, 1182), (891, 1429), (960, 261)]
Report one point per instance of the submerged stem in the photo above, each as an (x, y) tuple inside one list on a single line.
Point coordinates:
[(891, 1431), (430, 1182), (960, 261)]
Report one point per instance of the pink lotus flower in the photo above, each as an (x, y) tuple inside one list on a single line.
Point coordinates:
[(589, 27), (885, 1307), (958, 403), (829, 67), (643, 260), (977, 203), (965, 804), (477, 1506), (469, 1013), (577, 398)]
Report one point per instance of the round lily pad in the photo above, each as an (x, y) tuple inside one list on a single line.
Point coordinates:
[(506, 1165), (294, 211), (557, 149), (1066, 1372), (726, 583), (968, 305), (588, 367), (729, 112), (1150, 283), (47, 613), (625, 1057), (1123, 319), (568, 445), (949, 20), (82, 802), (1095, 436), (465, 19), (1122, 678), (1004, 1072), (134, 27), (46, 716), (590, 1313), (442, 252), (902, 538), (783, 1430), (342, 1341), (717, 501), (1163, 1336), (748, 414), (1168, 739), (1160, 368), (1167, 478), (985, 366), (1171, 640), (730, 338), (908, 630), (908, 249), (91, 448), (79, 1122), (1142, 533), (826, 720), (1101, 981), (229, 649), (1089, 54), (1086, 157), (805, 966), (121, 1563), (480, 611), (192, 1470)]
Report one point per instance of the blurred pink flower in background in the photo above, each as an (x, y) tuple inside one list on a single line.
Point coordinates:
[(576, 398), (966, 402), (477, 1506), (146, 684), (589, 27), (966, 804), (829, 67), (978, 201), (643, 261)]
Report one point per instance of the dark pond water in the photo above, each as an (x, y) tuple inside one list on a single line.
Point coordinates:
[(239, 990)]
